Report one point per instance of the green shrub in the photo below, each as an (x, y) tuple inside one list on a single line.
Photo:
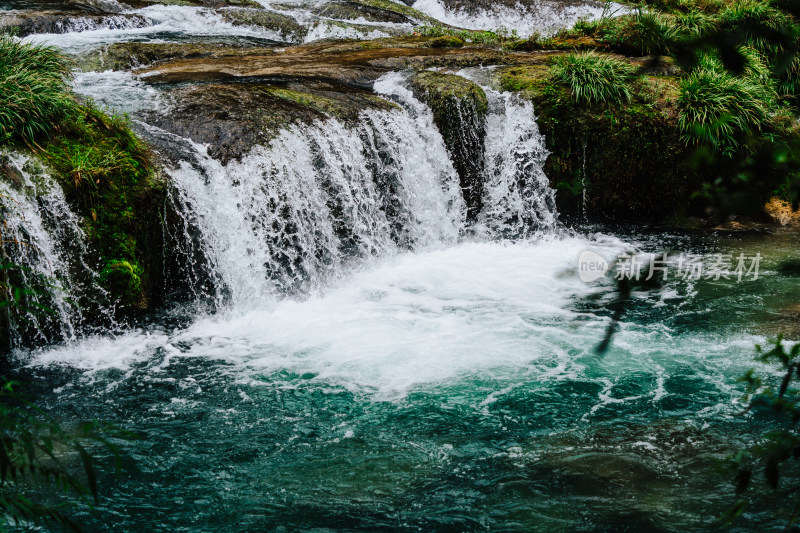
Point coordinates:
[(594, 78), (642, 33), (718, 109), (695, 24), (750, 17), (34, 89)]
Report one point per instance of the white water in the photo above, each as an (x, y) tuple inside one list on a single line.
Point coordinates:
[(426, 319), (327, 30), (107, 22), (167, 22), (518, 199), (293, 214), (118, 91), (160, 23), (42, 235), (526, 19)]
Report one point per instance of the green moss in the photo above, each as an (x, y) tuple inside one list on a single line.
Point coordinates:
[(286, 26), (446, 41), (107, 174), (629, 158), (124, 280), (309, 100), (564, 40)]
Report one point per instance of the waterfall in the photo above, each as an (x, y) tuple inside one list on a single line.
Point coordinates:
[(525, 17), (518, 200), (293, 213), (44, 253), (290, 216)]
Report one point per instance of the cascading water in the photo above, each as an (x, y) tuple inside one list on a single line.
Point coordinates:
[(319, 198), (291, 214), (44, 253), (362, 356), (524, 17), (518, 200)]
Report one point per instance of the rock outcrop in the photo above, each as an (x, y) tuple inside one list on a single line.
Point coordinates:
[(459, 110)]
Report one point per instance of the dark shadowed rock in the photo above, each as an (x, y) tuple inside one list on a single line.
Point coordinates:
[(459, 110)]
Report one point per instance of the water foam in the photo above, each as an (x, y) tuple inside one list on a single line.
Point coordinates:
[(167, 22), (526, 19)]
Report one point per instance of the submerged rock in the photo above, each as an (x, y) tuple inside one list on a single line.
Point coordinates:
[(459, 110), (782, 212)]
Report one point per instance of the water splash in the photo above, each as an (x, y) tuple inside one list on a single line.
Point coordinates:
[(42, 239), (166, 22), (526, 19), (294, 213)]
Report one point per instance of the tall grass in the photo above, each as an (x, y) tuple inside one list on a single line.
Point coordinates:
[(641, 33), (594, 78), (34, 89), (719, 110)]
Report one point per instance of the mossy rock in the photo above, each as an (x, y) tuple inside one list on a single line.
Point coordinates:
[(109, 179), (630, 159), (446, 41), (287, 27), (459, 109), (232, 118), (352, 10), (130, 55), (400, 9)]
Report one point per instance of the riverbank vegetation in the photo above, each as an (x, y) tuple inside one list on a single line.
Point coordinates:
[(105, 170), (719, 77)]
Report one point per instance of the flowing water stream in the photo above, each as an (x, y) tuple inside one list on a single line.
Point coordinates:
[(355, 356)]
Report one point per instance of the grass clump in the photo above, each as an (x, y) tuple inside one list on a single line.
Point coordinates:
[(720, 110), (34, 89), (642, 33), (594, 78), (107, 171)]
